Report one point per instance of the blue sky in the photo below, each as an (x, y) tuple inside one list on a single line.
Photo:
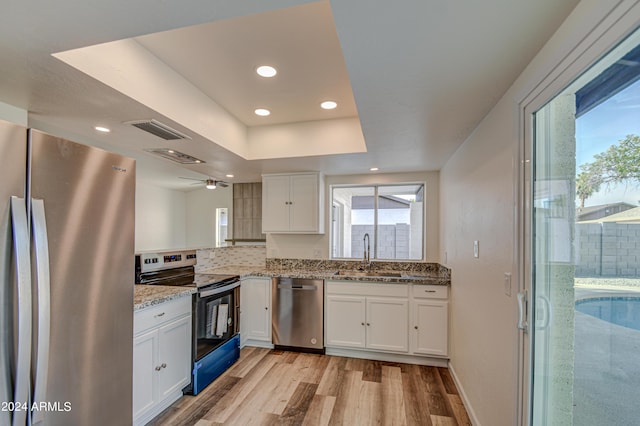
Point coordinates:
[(604, 126)]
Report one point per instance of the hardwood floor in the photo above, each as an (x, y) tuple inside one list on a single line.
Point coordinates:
[(268, 387)]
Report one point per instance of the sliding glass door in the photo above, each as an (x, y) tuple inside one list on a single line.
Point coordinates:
[(584, 243)]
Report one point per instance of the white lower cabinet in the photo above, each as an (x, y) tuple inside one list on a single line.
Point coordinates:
[(430, 320), (388, 324), (356, 316), (430, 331), (345, 318), (161, 357), (394, 317), (255, 312)]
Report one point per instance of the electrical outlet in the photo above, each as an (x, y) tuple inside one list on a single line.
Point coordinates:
[(507, 283), (476, 248)]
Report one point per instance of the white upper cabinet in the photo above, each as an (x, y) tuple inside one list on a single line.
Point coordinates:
[(293, 203)]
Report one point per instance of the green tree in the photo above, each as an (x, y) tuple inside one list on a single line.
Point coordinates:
[(619, 163)]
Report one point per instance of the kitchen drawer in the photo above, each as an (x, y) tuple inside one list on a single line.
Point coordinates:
[(430, 291), (367, 289), (156, 315)]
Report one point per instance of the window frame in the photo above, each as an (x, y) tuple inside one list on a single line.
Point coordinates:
[(374, 238)]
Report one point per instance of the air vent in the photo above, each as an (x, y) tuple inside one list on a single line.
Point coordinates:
[(158, 129), (173, 155)]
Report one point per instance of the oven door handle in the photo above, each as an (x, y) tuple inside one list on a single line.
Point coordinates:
[(217, 290)]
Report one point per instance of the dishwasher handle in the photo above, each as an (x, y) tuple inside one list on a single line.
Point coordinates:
[(291, 286)]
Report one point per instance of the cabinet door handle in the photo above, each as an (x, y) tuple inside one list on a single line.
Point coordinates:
[(368, 324), (163, 365), (158, 368), (429, 291), (160, 314), (266, 308), (416, 327)]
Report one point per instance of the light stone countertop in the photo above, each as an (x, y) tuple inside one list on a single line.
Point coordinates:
[(149, 295), (407, 277)]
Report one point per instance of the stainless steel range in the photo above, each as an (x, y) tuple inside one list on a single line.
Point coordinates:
[(216, 311)]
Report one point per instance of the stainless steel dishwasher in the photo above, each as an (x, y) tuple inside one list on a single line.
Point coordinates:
[(298, 314)]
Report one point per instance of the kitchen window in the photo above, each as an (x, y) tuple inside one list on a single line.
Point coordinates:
[(392, 215)]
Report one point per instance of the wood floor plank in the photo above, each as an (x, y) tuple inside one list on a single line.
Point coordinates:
[(332, 378), (232, 400), (264, 398), (298, 405), (356, 364), (345, 409), (459, 412), (369, 409), (393, 409), (289, 357), (247, 361), (431, 383), (319, 411), (415, 397), (447, 380), (442, 421), (312, 367), (199, 406), (372, 372), (267, 387)]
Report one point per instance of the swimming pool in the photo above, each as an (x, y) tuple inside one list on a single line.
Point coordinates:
[(624, 311)]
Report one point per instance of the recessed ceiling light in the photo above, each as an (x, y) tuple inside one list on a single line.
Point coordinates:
[(374, 169), (229, 176), (102, 129), (266, 71), (328, 105), (262, 112), (170, 151)]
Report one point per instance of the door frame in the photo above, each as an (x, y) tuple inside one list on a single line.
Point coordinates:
[(592, 30)]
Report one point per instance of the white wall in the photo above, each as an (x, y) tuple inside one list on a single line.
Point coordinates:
[(478, 202), (13, 114), (317, 246), (160, 218), (201, 214)]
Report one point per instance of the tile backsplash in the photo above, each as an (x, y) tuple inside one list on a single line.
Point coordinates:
[(231, 256)]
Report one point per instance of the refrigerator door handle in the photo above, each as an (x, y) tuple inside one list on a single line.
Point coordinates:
[(41, 249), (23, 275)]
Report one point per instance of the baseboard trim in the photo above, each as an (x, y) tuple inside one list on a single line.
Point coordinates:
[(257, 344), (389, 357), (463, 397)]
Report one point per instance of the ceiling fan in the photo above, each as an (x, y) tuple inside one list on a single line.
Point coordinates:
[(208, 183)]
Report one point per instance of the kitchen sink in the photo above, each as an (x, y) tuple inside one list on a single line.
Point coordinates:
[(369, 274)]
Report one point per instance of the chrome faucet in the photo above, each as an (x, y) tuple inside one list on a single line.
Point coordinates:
[(366, 259)]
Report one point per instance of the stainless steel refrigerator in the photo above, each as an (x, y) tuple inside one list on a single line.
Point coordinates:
[(66, 281)]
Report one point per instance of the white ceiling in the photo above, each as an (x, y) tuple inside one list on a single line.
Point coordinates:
[(419, 75)]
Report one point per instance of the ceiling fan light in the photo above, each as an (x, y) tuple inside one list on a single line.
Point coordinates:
[(210, 184)]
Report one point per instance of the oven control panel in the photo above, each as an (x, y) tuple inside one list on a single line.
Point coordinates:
[(157, 261)]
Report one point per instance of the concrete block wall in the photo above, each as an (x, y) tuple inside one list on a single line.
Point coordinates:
[(394, 241), (607, 250)]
